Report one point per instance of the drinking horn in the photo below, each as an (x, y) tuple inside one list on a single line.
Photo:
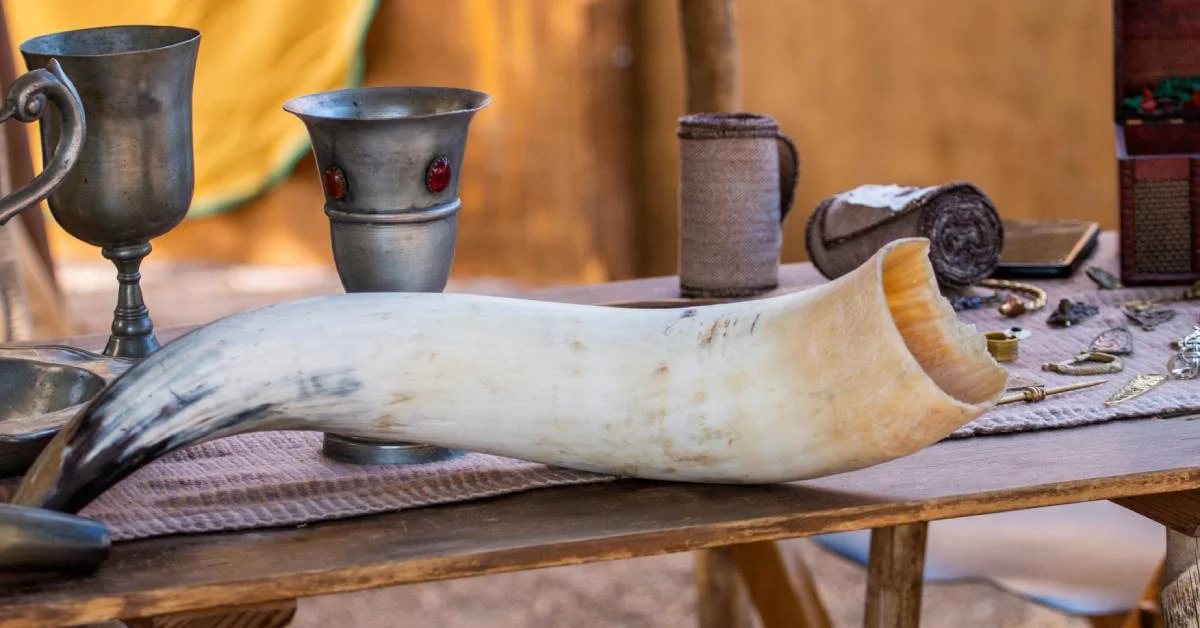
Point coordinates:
[(851, 373)]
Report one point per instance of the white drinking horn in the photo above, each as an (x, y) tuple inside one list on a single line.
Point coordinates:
[(864, 369)]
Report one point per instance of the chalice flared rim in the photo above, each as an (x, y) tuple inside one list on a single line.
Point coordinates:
[(387, 103), (109, 41)]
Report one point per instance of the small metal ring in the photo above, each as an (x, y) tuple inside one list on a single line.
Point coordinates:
[(429, 214), (1003, 346)]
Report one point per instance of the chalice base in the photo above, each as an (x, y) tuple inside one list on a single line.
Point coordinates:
[(357, 450), (132, 330)]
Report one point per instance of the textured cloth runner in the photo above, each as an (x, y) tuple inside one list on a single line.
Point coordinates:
[(280, 478), (273, 479)]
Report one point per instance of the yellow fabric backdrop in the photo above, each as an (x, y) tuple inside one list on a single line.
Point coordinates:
[(254, 55)]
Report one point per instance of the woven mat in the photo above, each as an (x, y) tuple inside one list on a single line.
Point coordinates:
[(280, 478), (271, 479)]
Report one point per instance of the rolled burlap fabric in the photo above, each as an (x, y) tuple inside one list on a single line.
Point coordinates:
[(737, 180), (965, 233)]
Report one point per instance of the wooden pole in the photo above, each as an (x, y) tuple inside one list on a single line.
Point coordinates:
[(710, 49)]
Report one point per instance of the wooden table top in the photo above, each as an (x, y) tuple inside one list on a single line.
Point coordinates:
[(621, 519)]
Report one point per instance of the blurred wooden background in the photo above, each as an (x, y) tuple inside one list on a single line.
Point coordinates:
[(571, 174)]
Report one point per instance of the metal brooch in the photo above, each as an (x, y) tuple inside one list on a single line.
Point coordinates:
[(1115, 341), (1104, 279), (1088, 363), (1149, 319), (1068, 313)]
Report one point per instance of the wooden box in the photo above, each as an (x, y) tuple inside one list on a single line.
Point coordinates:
[(1157, 84)]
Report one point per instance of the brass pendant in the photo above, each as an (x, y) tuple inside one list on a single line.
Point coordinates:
[(1139, 386)]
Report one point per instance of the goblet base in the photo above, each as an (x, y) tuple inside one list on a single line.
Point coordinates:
[(132, 330), (357, 450)]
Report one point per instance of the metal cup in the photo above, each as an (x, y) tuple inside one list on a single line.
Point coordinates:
[(390, 159), (134, 178)]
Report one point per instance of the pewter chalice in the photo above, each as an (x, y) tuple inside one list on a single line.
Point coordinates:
[(390, 159), (134, 177)]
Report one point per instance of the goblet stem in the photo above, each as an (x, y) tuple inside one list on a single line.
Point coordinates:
[(132, 331)]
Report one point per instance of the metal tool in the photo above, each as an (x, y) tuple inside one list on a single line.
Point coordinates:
[(390, 159), (1034, 394), (134, 177), (36, 539)]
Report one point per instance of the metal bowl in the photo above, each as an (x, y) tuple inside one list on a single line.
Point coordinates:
[(41, 389)]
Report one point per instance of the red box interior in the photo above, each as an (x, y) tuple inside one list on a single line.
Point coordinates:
[(1154, 40)]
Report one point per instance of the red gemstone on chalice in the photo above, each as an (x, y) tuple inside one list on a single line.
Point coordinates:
[(335, 183), (437, 178)]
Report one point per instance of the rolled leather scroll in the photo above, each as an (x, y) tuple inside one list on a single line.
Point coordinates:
[(960, 221)]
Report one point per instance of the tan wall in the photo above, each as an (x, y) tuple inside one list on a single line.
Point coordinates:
[(571, 173)]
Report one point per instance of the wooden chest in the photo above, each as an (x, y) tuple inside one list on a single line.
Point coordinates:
[(1157, 84)]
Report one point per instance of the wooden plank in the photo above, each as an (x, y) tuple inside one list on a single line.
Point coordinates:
[(270, 615), (1181, 581), (784, 592), (562, 526), (895, 574), (1179, 511), (721, 599)]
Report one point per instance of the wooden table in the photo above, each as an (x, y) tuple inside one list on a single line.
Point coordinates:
[(1149, 465)]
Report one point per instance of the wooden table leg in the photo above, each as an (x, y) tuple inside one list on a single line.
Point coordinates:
[(721, 598), (270, 615), (1181, 581), (895, 575), (781, 586), (1179, 512)]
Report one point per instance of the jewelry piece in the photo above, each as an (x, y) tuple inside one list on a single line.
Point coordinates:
[(1115, 341), (1002, 346), (1014, 306), (1148, 319), (1138, 305), (1140, 385), (1034, 394), (1103, 278), (1185, 364), (1082, 364), (1068, 313)]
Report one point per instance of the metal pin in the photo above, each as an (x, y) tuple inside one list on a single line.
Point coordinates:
[(1034, 394)]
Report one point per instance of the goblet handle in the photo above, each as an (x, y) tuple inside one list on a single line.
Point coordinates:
[(26, 102)]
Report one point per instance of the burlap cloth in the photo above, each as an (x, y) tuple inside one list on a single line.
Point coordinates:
[(280, 478)]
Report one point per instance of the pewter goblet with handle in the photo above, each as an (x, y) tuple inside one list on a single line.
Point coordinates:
[(134, 178)]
